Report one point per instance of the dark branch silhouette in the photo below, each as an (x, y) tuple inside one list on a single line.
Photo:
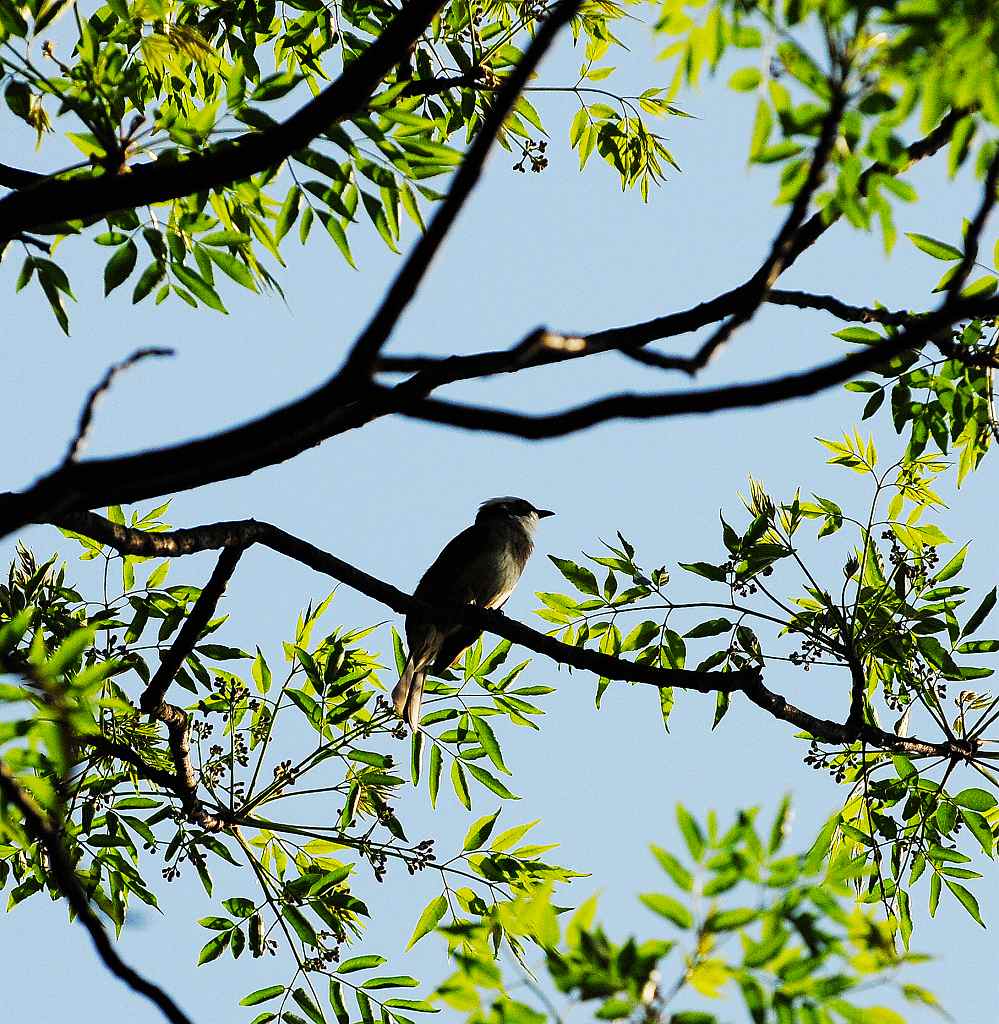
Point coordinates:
[(17, 177), (241, 534), (54, 201), (78, 443), (38, 826), (361, 358), (679, 403), (337, 405)]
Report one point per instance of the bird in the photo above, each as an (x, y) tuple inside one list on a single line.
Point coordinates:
[(480, 567)]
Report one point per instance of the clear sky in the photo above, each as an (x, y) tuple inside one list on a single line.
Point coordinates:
[(571, 252)]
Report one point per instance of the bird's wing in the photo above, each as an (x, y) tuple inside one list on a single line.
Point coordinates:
[(451, 578), (457, 577)]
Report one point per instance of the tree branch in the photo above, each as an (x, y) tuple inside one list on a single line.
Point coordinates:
[(37, 825), (361, 358), (93, 399), (176, 719), (106, 747), (841, 310), (779, 256), (16, 177), (250, 153), (285, 432), (244, 533), (736, 299), (194, 625), (679, 403)]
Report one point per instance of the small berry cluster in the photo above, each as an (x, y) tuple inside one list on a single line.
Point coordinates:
[(810, 652), (533, 155), (836, 763)]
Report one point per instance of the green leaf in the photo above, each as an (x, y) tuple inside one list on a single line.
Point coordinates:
[(432, 913), (262, 995), (860, 335), (391, 981), (460, 784), (577, 126), (415, 1005), (722, 702), (745, 79), (780, 826), (966, 899), (198, 286), (260, 672), (480, 831), (713, 627), (683, 878), (213, 949), (121, 264), (666, 700), (215, 923), (730, 920), (304, 1000), (953, 567), (668, 907), (938, 250), (300, 924), (975, 800), (148, 279), (489, 781), (240, 906), (691, 831), (981, 613), (434, 781), (360, 963), (979, 827), (705, 569), (232, 267), (337, 1004), (490, 745), (579, 576), (339, 237)]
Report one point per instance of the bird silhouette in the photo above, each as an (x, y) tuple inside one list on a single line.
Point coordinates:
[(480, 567)]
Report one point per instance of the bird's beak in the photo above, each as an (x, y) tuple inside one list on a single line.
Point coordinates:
[(543, 513)]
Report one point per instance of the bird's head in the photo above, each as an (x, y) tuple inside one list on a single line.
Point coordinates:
[(517, 510)]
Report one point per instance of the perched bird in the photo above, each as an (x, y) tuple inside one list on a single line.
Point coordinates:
[(480, 567)]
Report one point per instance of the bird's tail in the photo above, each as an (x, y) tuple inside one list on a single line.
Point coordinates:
[(407, 697)]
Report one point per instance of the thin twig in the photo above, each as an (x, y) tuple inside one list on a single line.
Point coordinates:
[(94, 398), (194, 625)]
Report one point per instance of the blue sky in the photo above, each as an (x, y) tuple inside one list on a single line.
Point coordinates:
[(571, 252)]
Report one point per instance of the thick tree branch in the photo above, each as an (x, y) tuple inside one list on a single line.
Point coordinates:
[(17, 178), (243, 533), (37, 825), (330, 409), (679, 403), (361, 358), (232, 161)]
